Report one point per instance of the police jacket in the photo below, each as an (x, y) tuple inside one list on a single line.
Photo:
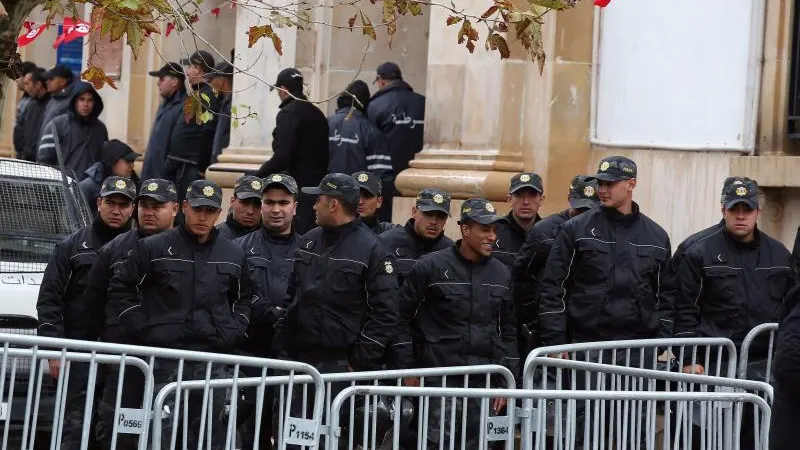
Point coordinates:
[(299, 142), (399, 113), (529, 263), (510, 237), (192, 141), (61, 307), (343, 298), (605, 280), (457, 312), (169, 113), (691, 240), (95, 296), (231, 229), (174, 292), (29, 127), (786, 372), (355, 144), (81, 138), (270, 259), (377, 226), (407, 247), (726, 287), (58, 104)]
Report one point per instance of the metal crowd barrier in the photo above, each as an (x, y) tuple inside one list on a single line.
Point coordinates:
[(163, 370), (561, 374), (758, 332), (464, 376), (601, 428)]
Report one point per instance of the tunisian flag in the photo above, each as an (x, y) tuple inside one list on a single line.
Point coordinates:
[(71, 30), (30, 36), (601, 3)]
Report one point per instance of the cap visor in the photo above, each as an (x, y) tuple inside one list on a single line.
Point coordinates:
[(373, 192), (109, 193), (246, 195), (604, 177), (527, 185), (131, 156), (155, 73), (582, 203), (198, 202), (488, 219), (311, 191), (430, 208), (279, 184), (751, 203), (157, 197)]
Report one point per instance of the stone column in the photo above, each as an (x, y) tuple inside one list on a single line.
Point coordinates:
[(250, 143)]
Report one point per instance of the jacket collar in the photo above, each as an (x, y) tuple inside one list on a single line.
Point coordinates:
[(424, 242), (456, 248), (236, 226)]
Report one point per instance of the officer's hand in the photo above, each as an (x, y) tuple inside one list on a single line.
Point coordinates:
[(350, 368), (411, 381), (696, 369), (562, 355), (55, 367), (498, 404)]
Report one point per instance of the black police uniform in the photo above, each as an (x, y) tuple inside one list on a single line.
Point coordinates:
[(342, 293), (405, 245), (786, 372), (726, 287), (371, 183), (175, 292), (62, 309), (531, 259), (510, 235), (604, 277), (270, 258), (458, 312), (109, 257), (246, 187)]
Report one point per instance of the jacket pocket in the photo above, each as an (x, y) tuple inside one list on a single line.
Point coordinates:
[(167, 278), (594, 259), (345, 277)]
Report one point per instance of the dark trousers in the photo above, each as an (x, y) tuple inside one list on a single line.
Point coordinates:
[(75, 407), (165, 372), (248, 417), (132, 394)]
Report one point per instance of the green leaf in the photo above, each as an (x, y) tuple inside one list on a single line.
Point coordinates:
[(205, 97), (206, 117), (234, 110), (367, 28), (558, 5), (130, 4), (235, 123)]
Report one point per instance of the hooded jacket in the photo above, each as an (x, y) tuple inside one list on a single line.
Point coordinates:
[(399, 113), (93, 180), (167, 116), (354, 143), (80, 138)]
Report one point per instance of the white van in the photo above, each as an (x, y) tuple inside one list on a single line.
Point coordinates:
[(39, 206)]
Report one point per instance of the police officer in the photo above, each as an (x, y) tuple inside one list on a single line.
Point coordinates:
[(61, 308), (156, 208), (786, 403), (343, 306), (528, 266), (244, 216), (734, 279), (423, 233), (525, 195), (456, 303), (603, 277), (186, 288), (270, 257), (370, 201), (702, 234)]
